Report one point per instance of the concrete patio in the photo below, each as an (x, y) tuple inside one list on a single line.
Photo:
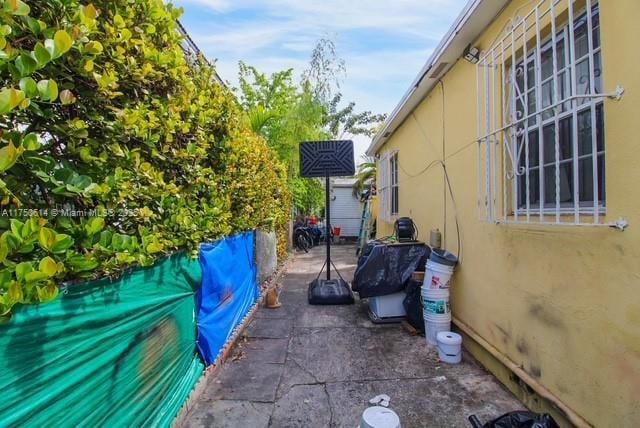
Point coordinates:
[(302, 365)]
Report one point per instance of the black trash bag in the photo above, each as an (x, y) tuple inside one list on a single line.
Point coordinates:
[(413, 305), (386, 269), (422, 263), (518, 419)]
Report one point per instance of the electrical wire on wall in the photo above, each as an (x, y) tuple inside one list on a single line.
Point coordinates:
[(443, 133), (442, 163)]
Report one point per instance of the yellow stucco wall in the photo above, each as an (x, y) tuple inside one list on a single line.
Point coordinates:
[(562, 302)]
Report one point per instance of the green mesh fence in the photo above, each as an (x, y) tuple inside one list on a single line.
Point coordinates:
[(116, 353)]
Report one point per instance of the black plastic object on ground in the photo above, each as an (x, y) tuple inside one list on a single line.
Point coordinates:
[(329, 292), (413, 305), (386, 268), (517, 419)]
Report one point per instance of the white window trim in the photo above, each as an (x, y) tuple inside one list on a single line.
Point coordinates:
[(395, 196), (499, 148), (385, 187)]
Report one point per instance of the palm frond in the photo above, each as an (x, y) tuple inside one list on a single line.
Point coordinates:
[(365, 176)]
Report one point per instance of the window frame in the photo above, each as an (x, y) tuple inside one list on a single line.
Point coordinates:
[(562, 79), (394, 185), (383, 187)]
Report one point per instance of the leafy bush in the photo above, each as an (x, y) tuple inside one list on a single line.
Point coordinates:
[(114, 149)]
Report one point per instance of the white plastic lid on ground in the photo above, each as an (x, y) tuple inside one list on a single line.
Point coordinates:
[(379, 417), (449, 347)]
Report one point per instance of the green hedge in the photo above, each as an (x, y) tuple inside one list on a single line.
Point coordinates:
[(114, 150)]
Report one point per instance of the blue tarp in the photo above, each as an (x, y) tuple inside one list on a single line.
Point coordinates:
[(229, 290), (121, 353)]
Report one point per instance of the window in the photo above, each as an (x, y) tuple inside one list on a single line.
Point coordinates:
[(541, 118), (394, 183), (388, 185), (536, 182)]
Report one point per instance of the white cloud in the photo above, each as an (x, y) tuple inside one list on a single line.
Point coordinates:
[(240, 40), (215, 5), (279, 34), (355, 14), (360, 145), (421, 18)]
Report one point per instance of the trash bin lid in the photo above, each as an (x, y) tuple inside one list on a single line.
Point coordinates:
[(449, 338), (443, 257)]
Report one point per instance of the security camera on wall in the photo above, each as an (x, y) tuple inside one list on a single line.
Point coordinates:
[(472, 54)]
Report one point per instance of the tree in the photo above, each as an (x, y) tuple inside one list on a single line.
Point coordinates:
[(279, 110), (325, 71), (323, 77), (307, 195), (365, 177), (102, 115), (286, 113), (345, 121)]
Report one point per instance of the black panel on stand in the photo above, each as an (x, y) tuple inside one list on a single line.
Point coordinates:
[(326, 159)]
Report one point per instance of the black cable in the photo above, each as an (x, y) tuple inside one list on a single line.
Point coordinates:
[(446, 175), (455, 208), (415, 235)]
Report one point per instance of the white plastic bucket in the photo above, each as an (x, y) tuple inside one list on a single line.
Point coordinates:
[(437, 276), (432, 328), (435, 301), (435, 323), (436, 317), (379, 417), (449, 347)]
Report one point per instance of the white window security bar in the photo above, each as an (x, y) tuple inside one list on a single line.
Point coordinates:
[(541, 119)]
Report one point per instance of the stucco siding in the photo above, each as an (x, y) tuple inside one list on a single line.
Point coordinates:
[(562, 302)]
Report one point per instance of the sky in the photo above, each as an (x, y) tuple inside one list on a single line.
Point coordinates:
[(384, 43)]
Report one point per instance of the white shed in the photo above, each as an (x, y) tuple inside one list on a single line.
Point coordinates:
[(346, 210)]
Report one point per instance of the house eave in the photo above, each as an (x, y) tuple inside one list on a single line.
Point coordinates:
[(476, 16)]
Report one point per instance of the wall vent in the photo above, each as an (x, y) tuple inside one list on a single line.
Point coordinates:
[(438, 70)]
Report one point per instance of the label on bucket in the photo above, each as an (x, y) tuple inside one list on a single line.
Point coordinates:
[(437, 283), (436, 306), (436, 278)]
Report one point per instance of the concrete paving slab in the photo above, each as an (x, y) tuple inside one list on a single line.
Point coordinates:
[(364, 353), (331, 354), (229, 414), (272, 351), (269, 328), (327, 316), (296, 300), (283, 312), (244, 380), (436, 402), (303, 406), (319, 366), (297, 282), (292, 375)]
